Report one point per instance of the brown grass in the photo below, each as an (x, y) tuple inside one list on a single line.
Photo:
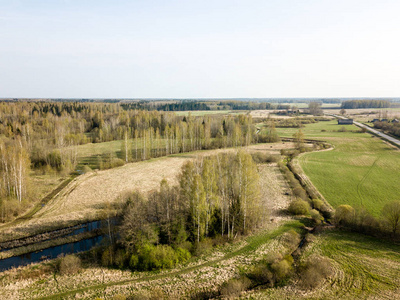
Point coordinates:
[(87, 195)]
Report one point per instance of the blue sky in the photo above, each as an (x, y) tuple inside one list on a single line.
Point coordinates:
[(187, 49)]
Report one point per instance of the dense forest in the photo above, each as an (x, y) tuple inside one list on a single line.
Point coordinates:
[(43, 137), (351, 104)]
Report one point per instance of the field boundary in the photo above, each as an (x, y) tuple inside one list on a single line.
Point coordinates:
[(299, 173)]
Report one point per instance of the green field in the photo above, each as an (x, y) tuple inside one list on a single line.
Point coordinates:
[(363, 268), (361, 170), (88, 154)]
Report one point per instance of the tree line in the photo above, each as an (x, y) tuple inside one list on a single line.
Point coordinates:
[(392, 128), (351, 104)]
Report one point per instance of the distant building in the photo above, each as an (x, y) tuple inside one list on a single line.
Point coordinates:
[(345, 121), (395, 121)]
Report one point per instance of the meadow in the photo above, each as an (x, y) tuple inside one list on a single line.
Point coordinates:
[(361, 170), (363, 268)]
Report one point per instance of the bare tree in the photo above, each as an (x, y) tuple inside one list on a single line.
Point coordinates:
[(391, 214)]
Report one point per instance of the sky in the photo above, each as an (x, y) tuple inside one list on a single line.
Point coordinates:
[(199, 48)]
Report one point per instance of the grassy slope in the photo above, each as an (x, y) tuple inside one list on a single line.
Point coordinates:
[(361, 170)]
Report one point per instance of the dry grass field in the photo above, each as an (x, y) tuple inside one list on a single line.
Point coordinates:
[(85, 198)]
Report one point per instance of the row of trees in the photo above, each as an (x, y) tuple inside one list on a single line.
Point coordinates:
[(361, 220), (392, 128), (190, 134), (350, 104)]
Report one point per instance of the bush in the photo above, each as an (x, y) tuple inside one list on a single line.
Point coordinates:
[(133, 262), (233, 287), (314, 271), (152, 257), (317, 204), (70, 264), (344, 215), (121, 258), (182, 254), (260, 157), (107, 257), (316, 216), (203, 247), (281, 270), (299, 207), (299, 192), (261, 274), (291, 240)]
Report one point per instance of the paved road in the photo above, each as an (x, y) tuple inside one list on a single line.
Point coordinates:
[(380, 134), (374, 131)]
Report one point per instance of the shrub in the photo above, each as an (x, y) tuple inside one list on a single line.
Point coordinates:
[(281, 270), (299, 192), (182, 254), (133, 262), (152, 257), (314, 271), (291, 239), (70, 264), (233, 287), (316, 216), (262, 274), (317, 204), (121, 258), (260, 157), (344, 215), (203, 247), (107, 257), (299, 207)]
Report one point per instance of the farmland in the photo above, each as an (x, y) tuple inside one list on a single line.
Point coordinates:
[(361, 170)]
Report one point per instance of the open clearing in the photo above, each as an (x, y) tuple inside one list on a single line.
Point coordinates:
[(87, 195), (362, 170)]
